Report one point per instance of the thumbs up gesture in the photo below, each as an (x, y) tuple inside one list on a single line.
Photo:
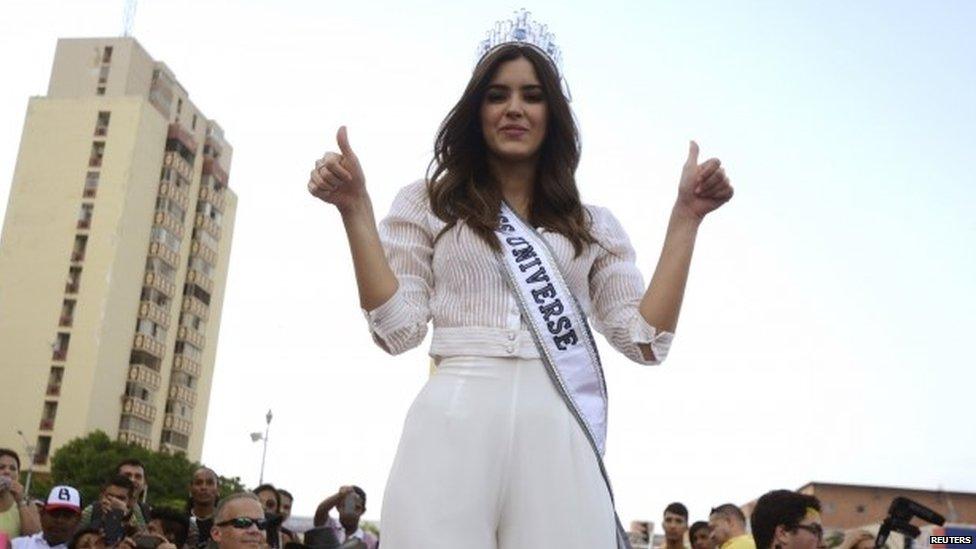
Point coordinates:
[(703, 187), (338, 178)]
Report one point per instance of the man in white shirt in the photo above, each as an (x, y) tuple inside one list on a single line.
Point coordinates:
[(350, 501), (59, 519)]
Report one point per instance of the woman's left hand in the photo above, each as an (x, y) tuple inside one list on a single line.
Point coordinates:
[(704, 187)]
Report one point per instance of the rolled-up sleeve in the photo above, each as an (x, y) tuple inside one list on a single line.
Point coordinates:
[(400, 323), (616, 289)]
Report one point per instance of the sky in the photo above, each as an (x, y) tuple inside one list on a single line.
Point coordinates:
[(825, 333)]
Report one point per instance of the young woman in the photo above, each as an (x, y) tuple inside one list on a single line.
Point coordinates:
[(17, 516), (499, 450)]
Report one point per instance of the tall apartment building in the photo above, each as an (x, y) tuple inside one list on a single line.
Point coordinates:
[(114, 256)]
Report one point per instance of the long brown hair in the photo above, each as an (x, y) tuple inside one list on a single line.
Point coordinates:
[(459, 184)]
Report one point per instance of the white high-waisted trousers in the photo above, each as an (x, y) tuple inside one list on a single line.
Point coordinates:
[(491, 458)]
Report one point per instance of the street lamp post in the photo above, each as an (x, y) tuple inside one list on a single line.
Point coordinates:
[(30, 463), (258, 436)]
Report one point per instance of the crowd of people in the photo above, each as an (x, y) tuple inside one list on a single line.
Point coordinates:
[(122, 519)]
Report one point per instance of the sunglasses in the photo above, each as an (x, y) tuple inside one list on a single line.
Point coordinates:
[(243, 523), (815, 529)]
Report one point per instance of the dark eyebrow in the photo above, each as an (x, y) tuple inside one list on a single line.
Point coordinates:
[(530, 87)]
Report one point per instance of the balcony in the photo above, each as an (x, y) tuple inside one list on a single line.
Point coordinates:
[(40, 459), (171, 448), (194, 276), (151, 311), (66, 321), (77, 255), (59, 354), (95, 162), (161, 251), (192, 337), (84, 224), (174, 192), (145, 376), (173, 160), (139, 408), (159, 282), (101, 131), (168, 222), (216, 149), (71, 287), (177, 132), (132, 437), (90, 192), (183, 394), (212, 167), (207, 224), (53, 389), (177, 424), (204, 252), (195, 306), (212, 196), (186, 365), (47, 424), (149, 344)]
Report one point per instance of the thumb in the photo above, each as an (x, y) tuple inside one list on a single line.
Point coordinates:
[(692, 154), (343, 138)]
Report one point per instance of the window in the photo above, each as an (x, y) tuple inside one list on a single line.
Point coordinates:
[(100, 90), (150, 328), (199, 264), (48, 415), (60, 347), (138, 425), (182, 378), (198, 292), (54, 379), (164, 204), (97, 153), (42, 450), (186, 349), (74, 280), (154, 296), (78, 252), (85, 215), (193, 125), (135, 390), (156, 265), (107, 54), (176, 439), (190, 320), (168, 239), (179, 106), (103, 74), (101, 125), (206, 238), (91, 185), (67, 312)]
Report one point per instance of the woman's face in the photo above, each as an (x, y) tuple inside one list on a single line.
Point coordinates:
[(8, 467), (514, 112)]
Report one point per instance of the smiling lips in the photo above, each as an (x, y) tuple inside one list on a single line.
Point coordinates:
[(512, 130)]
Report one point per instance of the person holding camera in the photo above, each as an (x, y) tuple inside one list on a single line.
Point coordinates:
[(113, 513), (350, 502), (59, 520), (17, 516)]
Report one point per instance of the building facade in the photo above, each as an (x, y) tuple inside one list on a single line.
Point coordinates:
[(113, 257), (846, 506)]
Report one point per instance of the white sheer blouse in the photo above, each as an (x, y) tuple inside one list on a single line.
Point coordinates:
[(459, 284)]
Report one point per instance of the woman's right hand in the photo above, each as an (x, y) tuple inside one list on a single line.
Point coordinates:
[(338, 178)]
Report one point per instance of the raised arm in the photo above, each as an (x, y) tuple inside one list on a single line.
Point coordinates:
[(701, 190), (338, 180)]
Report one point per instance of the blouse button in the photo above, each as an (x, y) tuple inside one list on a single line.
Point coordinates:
[(511, 336), (510, 349)]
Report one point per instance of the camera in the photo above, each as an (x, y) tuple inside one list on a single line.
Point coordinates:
[(900, 513)]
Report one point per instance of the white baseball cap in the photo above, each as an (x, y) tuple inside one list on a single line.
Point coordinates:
[(63, 497)]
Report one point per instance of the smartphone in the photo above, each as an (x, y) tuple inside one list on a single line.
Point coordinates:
[(112, 527), (147, 542), (5, 484), (349, 503)]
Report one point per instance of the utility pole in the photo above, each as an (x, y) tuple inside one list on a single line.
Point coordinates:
[(30, 461)]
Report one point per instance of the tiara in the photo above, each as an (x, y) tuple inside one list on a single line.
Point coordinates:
[(524, 30)]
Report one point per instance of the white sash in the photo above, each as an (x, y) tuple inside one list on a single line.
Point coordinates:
[(560, 331)]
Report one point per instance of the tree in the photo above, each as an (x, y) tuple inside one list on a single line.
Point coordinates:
[(86, 463)]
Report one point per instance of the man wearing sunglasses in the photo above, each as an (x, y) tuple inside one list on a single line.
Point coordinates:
[(239, 522), (787, 520)]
